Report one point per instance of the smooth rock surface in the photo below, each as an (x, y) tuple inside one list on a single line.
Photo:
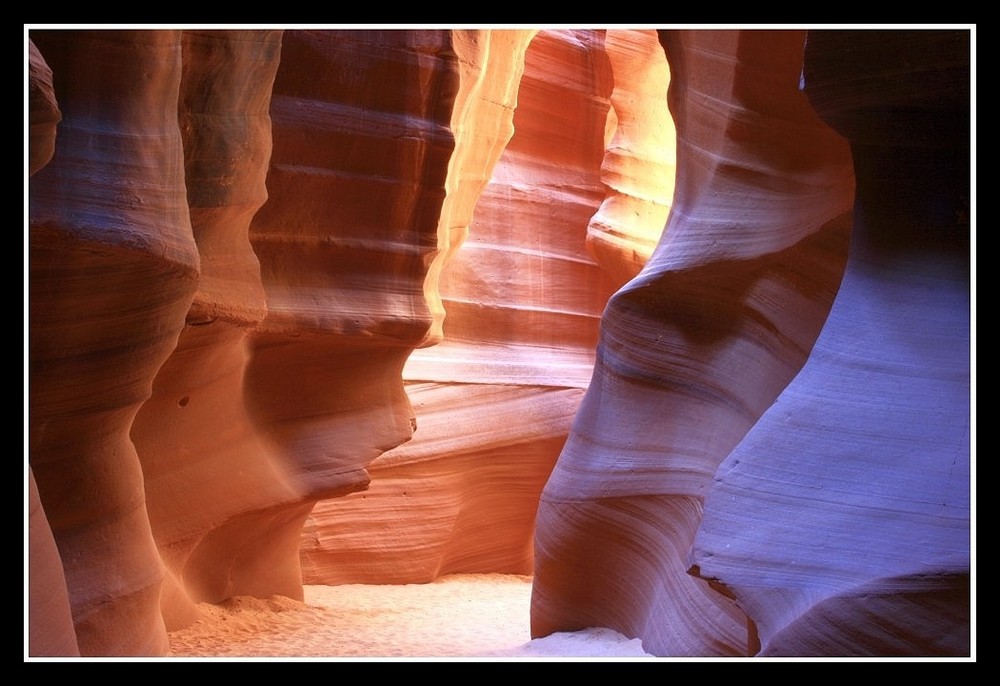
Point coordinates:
[(50, 620), (696, 347), (113, 269), (494, 400), (851, 495), (379, 306)]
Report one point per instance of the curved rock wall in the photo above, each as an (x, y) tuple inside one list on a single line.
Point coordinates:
[(841, 522), (195, 429), (113, 269), (50, 620), (749, 493), (639, 159), (210, 356), (355, 189), (697, 346), (236, 239), (494, 399)]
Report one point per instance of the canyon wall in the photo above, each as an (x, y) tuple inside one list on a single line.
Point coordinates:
[(695, 348), (494, 399), (751, 494), (374, 306), (50, 621), (231, 252), (852, 493), (112, 272)]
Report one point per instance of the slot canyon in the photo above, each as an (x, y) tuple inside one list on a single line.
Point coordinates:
[(678, 322)]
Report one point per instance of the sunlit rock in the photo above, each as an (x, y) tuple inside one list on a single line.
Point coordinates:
[(697, 346)]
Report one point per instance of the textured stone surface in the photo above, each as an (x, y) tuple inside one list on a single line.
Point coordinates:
[(194, 429), (238, 238), (355, 190), (695, 348), (639, 159), (851, 495), (50, 621), (494, 399), (826, 507), (113, 268)]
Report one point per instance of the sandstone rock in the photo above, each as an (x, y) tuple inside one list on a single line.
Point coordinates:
[(195, 431), (238, 238), (361, 153), (50, 621), (43, 108), (112, 270), (640, 157), (841, 522), (697, 346), (494, 399)]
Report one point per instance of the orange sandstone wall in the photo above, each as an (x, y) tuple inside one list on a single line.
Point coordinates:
[(495, 398), (50, 620), (773, 457), (195, 431), (640, 156), (748, 436), (232, 252), (113, 268), (852, 493)]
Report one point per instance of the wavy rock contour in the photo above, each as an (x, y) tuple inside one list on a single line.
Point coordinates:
[(696, 347), (494, 399), (841, 522), (113, 268)]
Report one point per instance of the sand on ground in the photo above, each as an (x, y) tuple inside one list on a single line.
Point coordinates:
[(465, 616)]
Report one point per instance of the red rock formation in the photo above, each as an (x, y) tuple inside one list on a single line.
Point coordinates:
[(194, 430), (44, 112), (841, 522), (210, 354), (495, 398), (338, 228), (639, 161), (356, 185), (50, 621), (113, 267), (695, 348)]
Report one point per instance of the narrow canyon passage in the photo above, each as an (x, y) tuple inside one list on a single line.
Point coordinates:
[(515, 342)]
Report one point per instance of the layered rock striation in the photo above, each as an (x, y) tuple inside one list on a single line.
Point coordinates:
[(841, 522), (749, 436), (697, 346), (195, 429), (773, 460), (523, 297), (50, 620), (218, 324), (113, 268)]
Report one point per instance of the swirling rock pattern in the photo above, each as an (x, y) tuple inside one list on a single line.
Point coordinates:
[(355, 188), (841, 522), (194, 429), (43, 109), (838, 520), (495, 398), (237, 238), (695, 348), (640, 158), (50, 621), (242, 429), (113, 268)]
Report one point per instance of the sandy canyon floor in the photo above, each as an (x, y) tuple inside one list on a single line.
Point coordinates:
[(461, 617)]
